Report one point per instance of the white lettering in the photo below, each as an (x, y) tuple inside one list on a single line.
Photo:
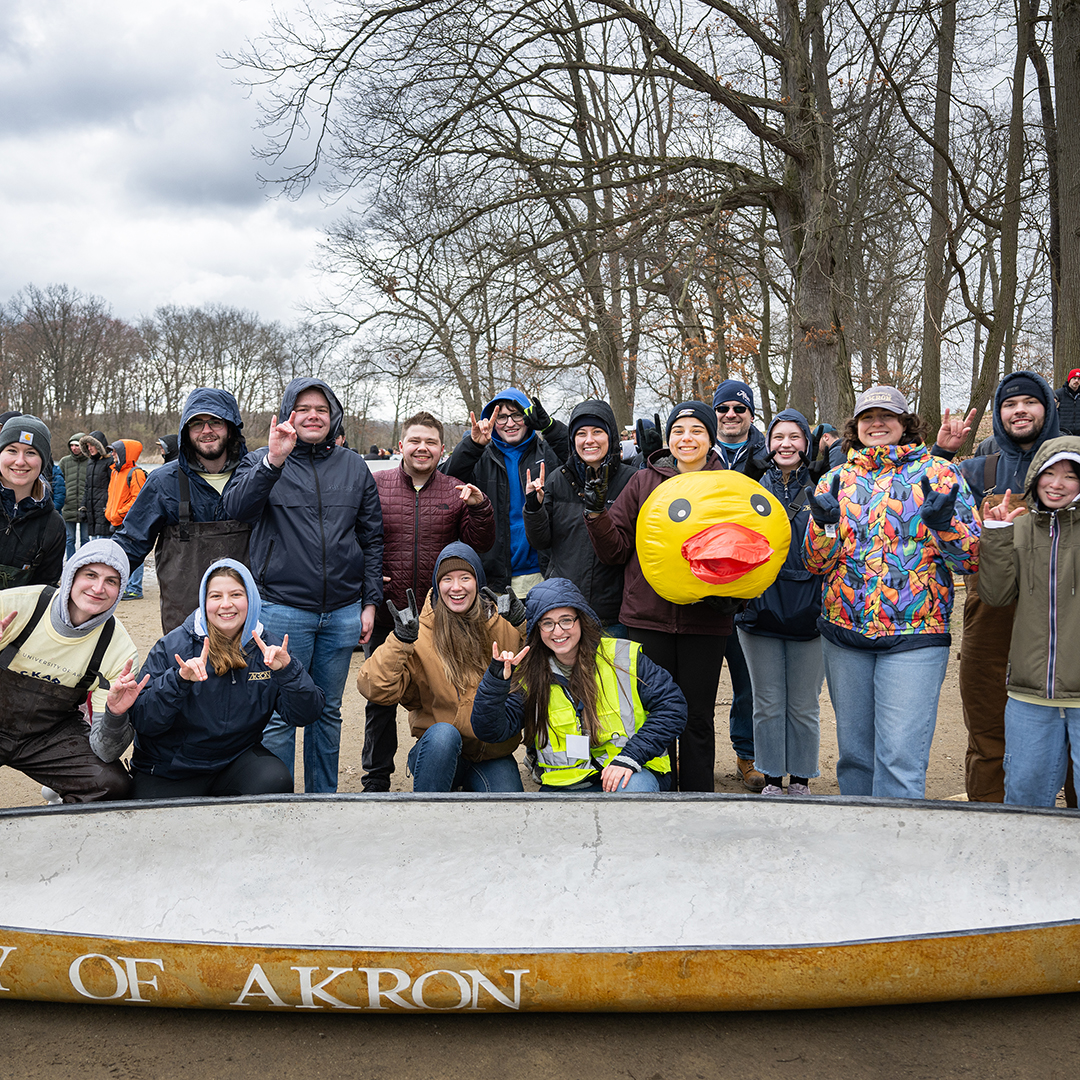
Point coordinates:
[(258, 978), (308, 993), (374, 977), (480, 980), (75, 976), (5, 952), (133, 975), (463, 986)]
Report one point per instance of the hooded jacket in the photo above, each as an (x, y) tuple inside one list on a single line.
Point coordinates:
[(1035, 563), (126, 481), (32, 537), (791, 606), (184, 728), (1068, 408), (614, 538), (158, 503), (888, 577), (486, 467), (558, 526), (316, 523), (499, 713), (740, 458), (74, 470), (412, 674), (98, 474), (1014, 461)]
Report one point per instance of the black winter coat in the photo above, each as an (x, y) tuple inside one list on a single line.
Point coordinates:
[(1068, 406), (96, 492)]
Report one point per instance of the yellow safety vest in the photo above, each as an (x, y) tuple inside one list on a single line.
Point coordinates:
[(619, 711)]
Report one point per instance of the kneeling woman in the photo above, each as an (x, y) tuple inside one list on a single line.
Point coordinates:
[(432, 663), (214, 683), (598, 712)]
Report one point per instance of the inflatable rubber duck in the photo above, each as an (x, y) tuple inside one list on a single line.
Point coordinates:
[(714, 533)]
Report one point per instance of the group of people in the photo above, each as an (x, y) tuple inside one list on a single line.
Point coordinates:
[(500, 599)]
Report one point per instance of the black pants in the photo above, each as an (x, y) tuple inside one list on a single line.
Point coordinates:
[(693, 661), (255, 772), (380, 731)]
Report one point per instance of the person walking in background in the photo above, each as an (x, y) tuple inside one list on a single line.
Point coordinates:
[(98, 474), (497, 454), (316, 554), (73, 466), (124, 487), (889, 528), (1068, 404), (423, 510)]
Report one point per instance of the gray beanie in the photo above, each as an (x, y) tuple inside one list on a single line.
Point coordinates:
[(29, 431), (108, 552)]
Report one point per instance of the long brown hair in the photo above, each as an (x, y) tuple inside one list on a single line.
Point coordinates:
[(463, 642), (534, 677), (225, 653), (914, 431)]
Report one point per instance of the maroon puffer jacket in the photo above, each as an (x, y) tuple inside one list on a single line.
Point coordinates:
[(417, 525), (613, 534)]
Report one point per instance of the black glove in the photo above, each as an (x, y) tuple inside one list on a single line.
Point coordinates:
[(818, 467), (508, 605), (407, 620), (759, 464), (596, 485), (825, 509), (536, 417), (649, 441), (725, 605), (937, 506)]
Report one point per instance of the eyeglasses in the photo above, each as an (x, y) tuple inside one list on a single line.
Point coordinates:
[(197, 425), (547, 625), (510, 418), (739, 409)]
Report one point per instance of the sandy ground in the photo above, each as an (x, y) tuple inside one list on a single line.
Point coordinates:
[(1034, 1037)]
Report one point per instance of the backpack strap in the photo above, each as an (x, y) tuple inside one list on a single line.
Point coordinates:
[(43, 601)]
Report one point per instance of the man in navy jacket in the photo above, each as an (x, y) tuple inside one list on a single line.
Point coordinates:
[(316, 554)]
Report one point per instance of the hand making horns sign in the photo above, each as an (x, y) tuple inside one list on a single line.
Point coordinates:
[(194, 670), (479, 430), (275, 657), (124, 691), (281, 441), (1001, 512), (536, 485), (510, 661)]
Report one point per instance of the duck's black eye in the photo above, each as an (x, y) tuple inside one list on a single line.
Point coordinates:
[(679, 510), (761, 505)]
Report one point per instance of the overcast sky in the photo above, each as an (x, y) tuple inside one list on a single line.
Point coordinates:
[(126, 166)]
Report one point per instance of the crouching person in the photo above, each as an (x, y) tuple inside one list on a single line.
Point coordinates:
[(56, 646), (212, 685)]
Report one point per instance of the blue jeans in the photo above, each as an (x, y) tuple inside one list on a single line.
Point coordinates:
[(436, 764), (323, 642), (886, 709), (1037, 743), (643, 781), (71, 526), (741, 716), (135, 581), (787, 677)]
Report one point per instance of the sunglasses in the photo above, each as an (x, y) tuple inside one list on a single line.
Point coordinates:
[(739, 409)]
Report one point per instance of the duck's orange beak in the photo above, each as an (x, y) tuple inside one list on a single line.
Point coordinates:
[(724, 552)]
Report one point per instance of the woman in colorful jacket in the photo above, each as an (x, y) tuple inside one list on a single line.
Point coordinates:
[(214, 684), (431, 665), (1031, 559), (597, 713), (778, 630), (889, 528)]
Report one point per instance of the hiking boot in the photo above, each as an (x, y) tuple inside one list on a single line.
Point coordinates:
[(751, 778), (130, 594)]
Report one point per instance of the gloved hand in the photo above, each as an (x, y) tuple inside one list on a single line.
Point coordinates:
[(649, 441), (825, 509), (596, 485), (407, 620), (819, 466), (725, 605), (759, 464), (536, 417), (937, 506), (508, 605)]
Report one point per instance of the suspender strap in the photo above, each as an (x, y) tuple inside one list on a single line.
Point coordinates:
[(990, 465), (93, 669), (12, 647), (185, 502)]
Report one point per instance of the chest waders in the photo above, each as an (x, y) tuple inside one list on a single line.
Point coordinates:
[(186, 549), (42, 732)]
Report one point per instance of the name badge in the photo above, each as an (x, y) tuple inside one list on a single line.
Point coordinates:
[(577, 746)]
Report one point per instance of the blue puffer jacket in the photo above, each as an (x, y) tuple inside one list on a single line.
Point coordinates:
[(316, 523), (1013, 464), (791, 606), (158, 502), (185, 729)]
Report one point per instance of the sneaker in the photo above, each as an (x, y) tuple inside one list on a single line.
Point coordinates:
[(751, 778), (772, 789), (798, 789), (130, 594), (51, 797)]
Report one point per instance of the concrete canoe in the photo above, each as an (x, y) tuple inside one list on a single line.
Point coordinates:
[(409, 903)]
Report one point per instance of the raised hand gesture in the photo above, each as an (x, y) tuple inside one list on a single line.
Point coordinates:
[(509, 660), (534, 489), (471, 495), (282, 440), (407, 620), (479, 430), (1002, 512), (825, 508), (124, 690), (954, 430), (275, 657), (937, 506), (194, 670)]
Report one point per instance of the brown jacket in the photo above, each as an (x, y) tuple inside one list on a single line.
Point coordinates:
[(413, 676)]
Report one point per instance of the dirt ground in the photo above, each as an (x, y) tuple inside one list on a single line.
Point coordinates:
[(1020, 1038)]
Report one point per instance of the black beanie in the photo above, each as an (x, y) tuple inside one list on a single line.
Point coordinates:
[(699, 410), (1022, 385)]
